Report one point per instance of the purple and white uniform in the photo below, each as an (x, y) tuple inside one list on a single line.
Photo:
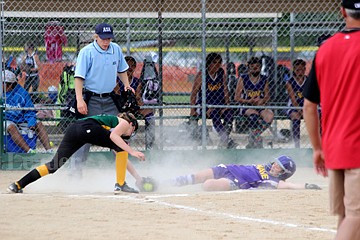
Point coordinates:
[(246, 176)]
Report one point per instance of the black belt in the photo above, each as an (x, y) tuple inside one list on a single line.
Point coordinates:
[(101, 95)]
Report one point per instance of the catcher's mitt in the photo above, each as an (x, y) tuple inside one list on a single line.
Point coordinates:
[(147, 184), (130, 105)]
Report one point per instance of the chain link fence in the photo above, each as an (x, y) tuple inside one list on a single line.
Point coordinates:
[(181, 34)]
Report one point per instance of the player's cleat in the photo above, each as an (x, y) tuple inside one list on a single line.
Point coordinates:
[(124, 188), (13, 188)]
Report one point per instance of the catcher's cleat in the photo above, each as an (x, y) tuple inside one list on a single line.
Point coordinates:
[(124, 188), (13, 188)]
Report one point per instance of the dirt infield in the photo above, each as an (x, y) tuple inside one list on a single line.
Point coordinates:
[(58, 207)]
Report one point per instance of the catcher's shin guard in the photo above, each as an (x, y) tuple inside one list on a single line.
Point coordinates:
[(120, 165)]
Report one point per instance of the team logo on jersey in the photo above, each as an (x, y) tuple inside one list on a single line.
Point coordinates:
[(262, 171), (214, 87), (252, 93)]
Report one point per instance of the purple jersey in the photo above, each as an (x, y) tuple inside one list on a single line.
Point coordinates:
[(251, 90), (298, 89), (246, 176), (215, 94)]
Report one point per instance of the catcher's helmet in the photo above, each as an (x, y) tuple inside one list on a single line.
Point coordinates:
[(287, 164)]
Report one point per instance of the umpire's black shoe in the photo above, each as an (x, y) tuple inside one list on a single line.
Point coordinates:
[(13, 188), (124, 188)]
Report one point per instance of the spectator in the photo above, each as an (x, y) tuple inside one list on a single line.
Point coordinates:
[(17, 120), (294, 88), (216, 94), (147, 114), (253, 90), (333, 82), (66, 94), (12, 66), (31, 66), (66, 87), (54, 38)]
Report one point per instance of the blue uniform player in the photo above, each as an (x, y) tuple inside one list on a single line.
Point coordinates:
[(294, 88), (234, 176), (253, 90), (217, 93)]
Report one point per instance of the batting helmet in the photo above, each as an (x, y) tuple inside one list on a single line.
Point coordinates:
[(287, 165)]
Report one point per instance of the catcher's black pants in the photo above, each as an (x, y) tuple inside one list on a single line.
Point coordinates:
[(78, 134)]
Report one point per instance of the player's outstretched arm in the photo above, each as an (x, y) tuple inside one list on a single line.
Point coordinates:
[(289, 185)]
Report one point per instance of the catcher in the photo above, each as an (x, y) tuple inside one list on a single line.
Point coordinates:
[(234, 176), (94, 130)]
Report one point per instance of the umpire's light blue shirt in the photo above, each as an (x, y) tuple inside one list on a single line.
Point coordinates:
[(99, 67)]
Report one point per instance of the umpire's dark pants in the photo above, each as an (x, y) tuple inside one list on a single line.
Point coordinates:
[(78, 134)]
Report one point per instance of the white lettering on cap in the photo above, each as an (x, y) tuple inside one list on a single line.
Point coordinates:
[(357, 5), (106, 29)]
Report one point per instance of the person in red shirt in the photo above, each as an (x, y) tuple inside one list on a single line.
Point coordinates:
[(54, 38), (333, 82)]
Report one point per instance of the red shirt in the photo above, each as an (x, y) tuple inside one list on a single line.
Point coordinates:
[(335, 78)]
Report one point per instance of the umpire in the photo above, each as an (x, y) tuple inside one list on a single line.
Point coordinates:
[(97, 67)]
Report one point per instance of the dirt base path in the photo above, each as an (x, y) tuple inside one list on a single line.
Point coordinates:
[(57, 207)]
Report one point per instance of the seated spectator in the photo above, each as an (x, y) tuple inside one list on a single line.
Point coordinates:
[(147, 114), (16, 120), (216, 94), (253, 90), (294, 88)]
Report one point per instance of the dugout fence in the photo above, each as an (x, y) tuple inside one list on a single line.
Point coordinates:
[(181, 33)]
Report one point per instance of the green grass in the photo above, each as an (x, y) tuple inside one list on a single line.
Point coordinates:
[(176, 99)]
